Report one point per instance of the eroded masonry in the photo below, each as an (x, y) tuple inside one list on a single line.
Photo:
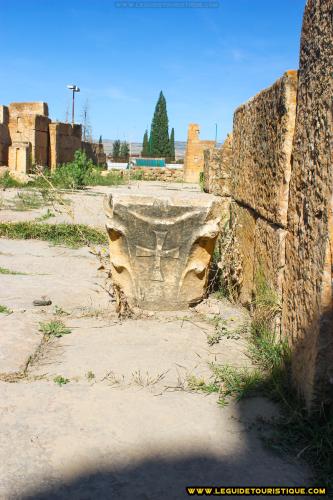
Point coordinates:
[(276, 170), (28, 137), (161, 246)]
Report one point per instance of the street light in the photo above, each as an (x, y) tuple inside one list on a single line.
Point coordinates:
[(74, 88)]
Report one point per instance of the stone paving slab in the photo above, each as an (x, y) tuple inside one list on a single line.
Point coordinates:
[(19, 338)]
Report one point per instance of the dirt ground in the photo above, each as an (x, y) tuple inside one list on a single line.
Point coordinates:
[(125, 425)]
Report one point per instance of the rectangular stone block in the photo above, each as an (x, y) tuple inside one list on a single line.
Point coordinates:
[(65, 139), (269, 255), (4, 115), (262, 144), (19, 157), (237, 253), (217, 168), (3, 155), (161, 247), (28, 108), (308, 296)]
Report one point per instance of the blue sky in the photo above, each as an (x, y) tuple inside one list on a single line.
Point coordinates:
[(206, 61)]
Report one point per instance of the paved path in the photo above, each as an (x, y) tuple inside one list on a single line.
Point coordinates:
[(125, 426)]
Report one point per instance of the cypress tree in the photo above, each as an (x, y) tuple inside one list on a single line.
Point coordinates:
[(160, 129), (172, 154), (124, 151), (116, 149), (145, 145)]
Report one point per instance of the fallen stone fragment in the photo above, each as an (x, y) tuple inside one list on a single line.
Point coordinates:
[(161, 246)]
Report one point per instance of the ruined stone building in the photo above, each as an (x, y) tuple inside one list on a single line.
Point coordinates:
[(28, 137), (194, 155), (276, 170)]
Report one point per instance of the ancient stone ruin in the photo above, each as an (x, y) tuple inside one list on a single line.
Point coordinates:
[(161, 247), (194, 155), (28, 137), (276, 170)]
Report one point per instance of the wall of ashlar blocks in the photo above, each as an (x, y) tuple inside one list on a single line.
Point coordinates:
[(277, 168), (28, 138)]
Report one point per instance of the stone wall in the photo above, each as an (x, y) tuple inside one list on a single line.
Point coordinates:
[(262, 143), (308, 307), (217, 168), (253, 167), (194, 155), (28, 138), (28, 123), (65, 139), (160, 173), (94, 151), (281, 187)]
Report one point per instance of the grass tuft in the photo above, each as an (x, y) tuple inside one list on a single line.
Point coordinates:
[(7, 181), (5, 309), (70, 235), (54, 328), (60, 380), (4, 270)]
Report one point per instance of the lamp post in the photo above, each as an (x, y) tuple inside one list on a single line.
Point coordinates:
[(74, 89)]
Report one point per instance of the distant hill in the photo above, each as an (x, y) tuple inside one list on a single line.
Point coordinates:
[(136, 147)]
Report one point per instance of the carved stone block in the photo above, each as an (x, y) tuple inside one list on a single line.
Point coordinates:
[(161, 247)]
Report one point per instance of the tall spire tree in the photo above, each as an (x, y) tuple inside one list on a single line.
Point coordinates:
[(172, 154), (145, 145), (159, 144)]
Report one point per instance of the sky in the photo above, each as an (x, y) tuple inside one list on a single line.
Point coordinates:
[(207, 61)]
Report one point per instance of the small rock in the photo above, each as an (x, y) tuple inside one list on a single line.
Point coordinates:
[(44, 301)]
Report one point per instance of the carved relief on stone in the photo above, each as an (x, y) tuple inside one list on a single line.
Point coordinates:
[(160, 248)]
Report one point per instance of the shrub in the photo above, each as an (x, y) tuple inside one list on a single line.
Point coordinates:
[(73, 175), (6, 181)]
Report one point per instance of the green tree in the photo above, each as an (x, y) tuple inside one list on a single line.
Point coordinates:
[(124, 150), (160, 129), (100, 140), (145, 145), (116, 149), (172, 150)]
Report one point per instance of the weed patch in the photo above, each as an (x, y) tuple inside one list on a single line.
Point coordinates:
[(5, 310), (7, 181), (46, 216), (70, 235), (60, 380), (4, 270), (54, 328)]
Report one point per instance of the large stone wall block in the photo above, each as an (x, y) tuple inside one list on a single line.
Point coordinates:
[(308, 289), (217, 168), (262, 145), (28, 108), (269, 256), (65, 139), (237, 256), (19, 157), (161, 247)]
